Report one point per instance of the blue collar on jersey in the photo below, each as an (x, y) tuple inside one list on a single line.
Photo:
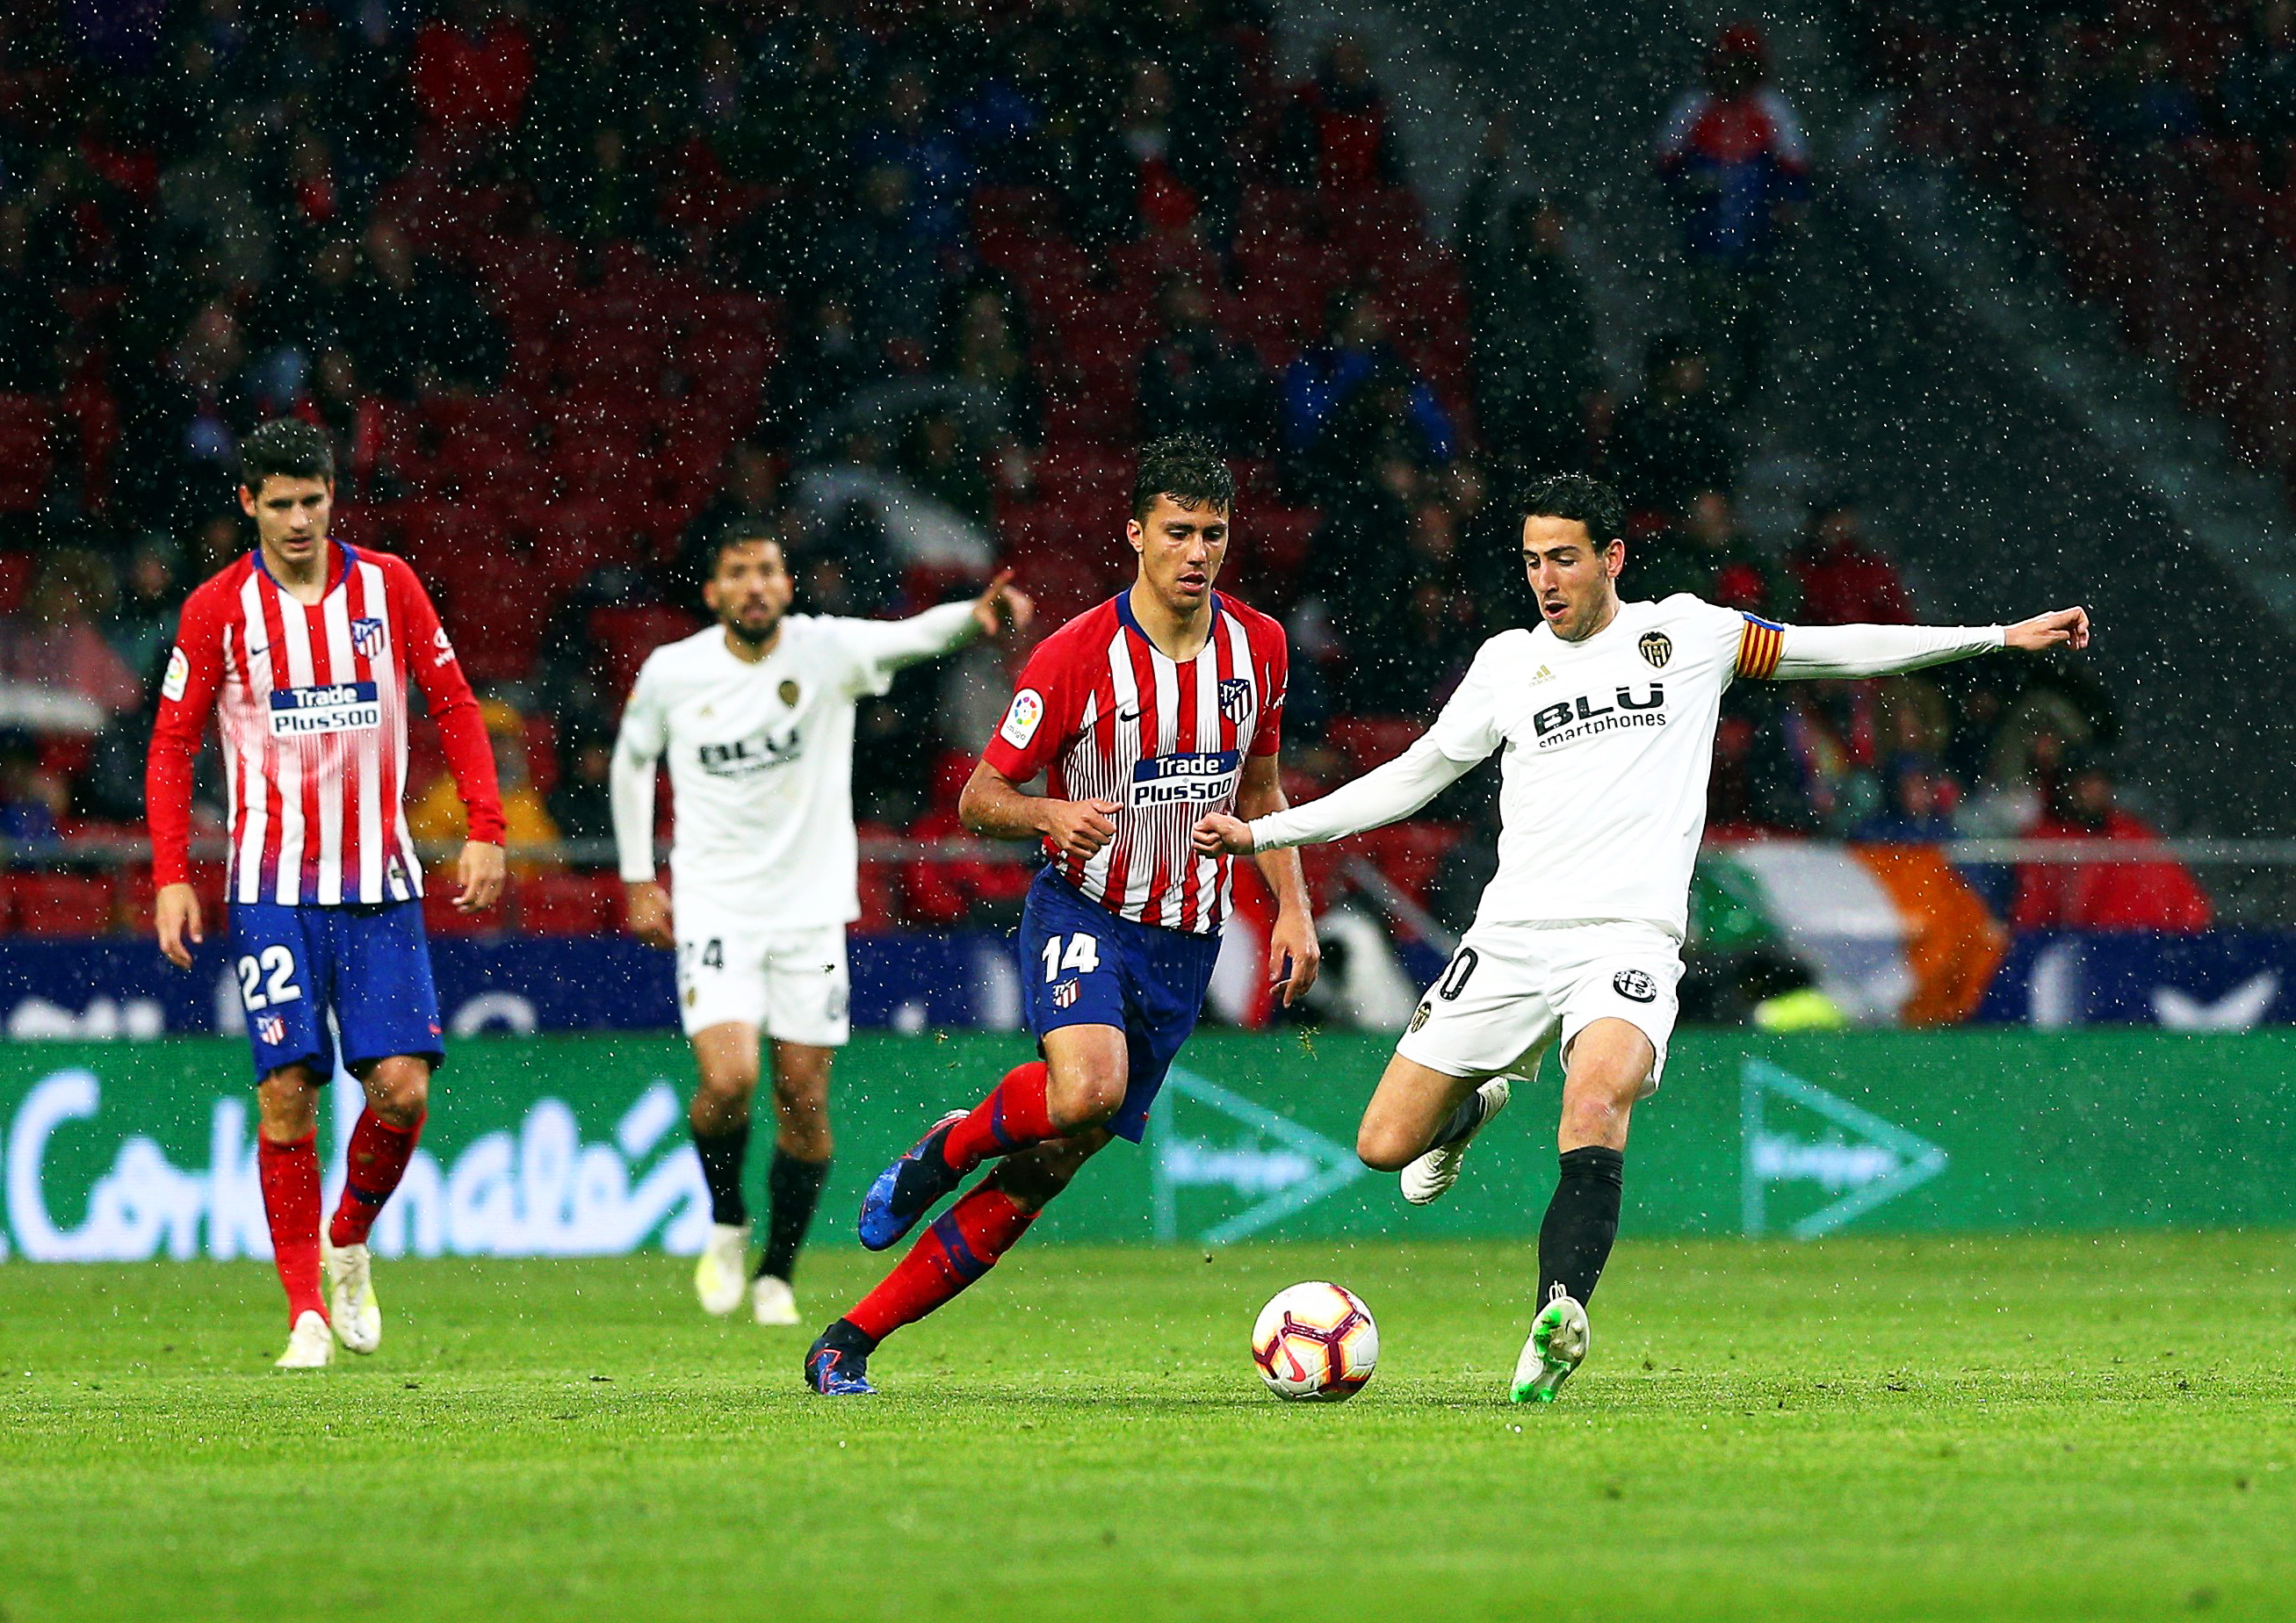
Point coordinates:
[(336, 576), (1124, 613)]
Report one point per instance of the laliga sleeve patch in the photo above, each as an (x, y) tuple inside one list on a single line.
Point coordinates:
[(1022, 720), (179, 672)]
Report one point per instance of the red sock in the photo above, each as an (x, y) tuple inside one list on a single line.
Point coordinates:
[(290, 1175), (378, 1158), (963, 1243), (1014, 1115)]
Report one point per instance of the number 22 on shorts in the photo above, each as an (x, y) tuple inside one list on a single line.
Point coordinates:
[(1082, 955)]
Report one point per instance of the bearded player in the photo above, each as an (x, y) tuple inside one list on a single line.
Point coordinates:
[(1162, 704), (306, 651), (756, 716), (1604, 716)]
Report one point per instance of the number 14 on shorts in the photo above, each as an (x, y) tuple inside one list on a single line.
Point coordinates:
[(1082, 954)]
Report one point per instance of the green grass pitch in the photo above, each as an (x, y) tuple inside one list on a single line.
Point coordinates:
[(2060, 1427)]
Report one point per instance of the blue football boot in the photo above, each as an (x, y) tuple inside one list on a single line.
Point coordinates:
[(909, 1188), (837, 1366)]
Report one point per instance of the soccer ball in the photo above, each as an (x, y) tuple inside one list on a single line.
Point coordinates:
[(1314, 1342)]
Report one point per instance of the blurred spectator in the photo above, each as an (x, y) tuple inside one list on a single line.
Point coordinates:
[(1733, 164), (1336, 136), (436, 816), (472, 69), (1845, 581), (1349, 400), (34, 801), (140, 626), (1192, 378), (827, 364), (2157, 893), (1917, 801), (884, 262), (31, 322), (2259, 87), (2140, 110), (985, 349), (1537, 375), (940, 459), (1709, 556), (1153, 172), (1670, 441), (58, 643), (580, 804), (416, 326), (937, 176), (749, 498)]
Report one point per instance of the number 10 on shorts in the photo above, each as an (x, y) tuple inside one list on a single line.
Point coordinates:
[(1081, 954)]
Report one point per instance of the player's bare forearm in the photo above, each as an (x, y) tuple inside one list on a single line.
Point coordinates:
[(1261, 795), (995, 807)]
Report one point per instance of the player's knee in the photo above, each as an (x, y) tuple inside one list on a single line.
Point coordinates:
[(399, 1091), (1385, 1147), (1085, 1097), (725, 1088)]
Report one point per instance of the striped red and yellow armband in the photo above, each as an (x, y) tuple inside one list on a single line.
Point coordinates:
[(1759, 644)]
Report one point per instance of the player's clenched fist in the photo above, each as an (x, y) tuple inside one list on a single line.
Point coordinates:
[(1079, 828), (649, 912), (1216, 833), (2058, 628)]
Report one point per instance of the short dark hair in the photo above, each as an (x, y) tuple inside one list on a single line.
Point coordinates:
[(713, 548), (1575, 495), (1185, 468), (288, 447)]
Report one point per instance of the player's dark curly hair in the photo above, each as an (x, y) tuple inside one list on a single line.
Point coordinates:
[(285, 448), (1185, 468), (1574, 496)]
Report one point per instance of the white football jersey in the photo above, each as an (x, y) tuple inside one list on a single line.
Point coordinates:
[(761, 760), (1606, 745)]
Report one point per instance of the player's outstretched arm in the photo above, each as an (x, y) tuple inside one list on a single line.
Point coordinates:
[(1809, 652), (993, 806), (1294, 955), (1379, 797)]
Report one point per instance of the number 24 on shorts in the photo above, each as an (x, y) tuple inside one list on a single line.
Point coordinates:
[(1083, 955)]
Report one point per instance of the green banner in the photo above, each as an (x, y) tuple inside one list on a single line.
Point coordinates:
[(576, 1145)]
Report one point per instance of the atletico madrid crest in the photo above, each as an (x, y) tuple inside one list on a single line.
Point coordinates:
[(367, 637), (1235, 698), (272, 1030), (1065, 996)]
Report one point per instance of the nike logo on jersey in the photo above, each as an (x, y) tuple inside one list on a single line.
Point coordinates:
[(1128, 712)]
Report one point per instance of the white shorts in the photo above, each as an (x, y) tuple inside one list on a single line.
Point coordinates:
[(790, 984), (1511, 989)]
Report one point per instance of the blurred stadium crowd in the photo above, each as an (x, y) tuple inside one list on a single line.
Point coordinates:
[(577, 285)]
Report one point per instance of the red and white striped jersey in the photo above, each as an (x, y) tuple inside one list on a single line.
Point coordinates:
[(311, 703), (1107, 716)]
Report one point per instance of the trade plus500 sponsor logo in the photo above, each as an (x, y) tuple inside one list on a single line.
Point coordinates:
[(1174, 779), (342, 707)]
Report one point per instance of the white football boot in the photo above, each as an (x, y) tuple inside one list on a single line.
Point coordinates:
[(721, 1274), (771, 1300), (350, 1296), (310, 1345), (1431, 1177), (1558, 1344)]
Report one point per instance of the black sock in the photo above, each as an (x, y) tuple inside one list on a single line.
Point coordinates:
[(722, 1154), (792, 1190), (1460, 1122), (1582, 1220)]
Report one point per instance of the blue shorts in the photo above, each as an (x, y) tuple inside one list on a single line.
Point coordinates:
[(1084, 966), (368, 964)]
